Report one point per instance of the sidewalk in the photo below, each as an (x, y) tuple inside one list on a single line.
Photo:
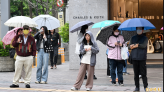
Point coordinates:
[(62, 79)]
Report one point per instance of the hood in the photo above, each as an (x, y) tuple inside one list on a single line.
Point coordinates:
[(91, 35)]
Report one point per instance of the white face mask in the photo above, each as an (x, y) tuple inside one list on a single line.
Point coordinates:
[(139, 31)]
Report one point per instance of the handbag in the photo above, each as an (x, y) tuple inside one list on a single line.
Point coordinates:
[(130, 59), (150, 47), (12, 52), (157, 46), (124, 52)]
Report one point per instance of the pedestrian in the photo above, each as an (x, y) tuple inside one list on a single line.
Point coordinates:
[(80, 38), (26, 50), (108, 64), (55, 37), (42, 46), (138, 45), (114, 54), (88, 50)]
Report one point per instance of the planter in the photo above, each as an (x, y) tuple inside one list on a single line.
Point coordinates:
[(6, 64)]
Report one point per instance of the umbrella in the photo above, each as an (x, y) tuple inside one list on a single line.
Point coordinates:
[(106, 32), (131, 24), (20, 21), (78, 26), (10, 35), (104, 23), (162, 28), (46, 20)]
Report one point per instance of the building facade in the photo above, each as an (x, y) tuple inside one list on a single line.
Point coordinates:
[(121, 10)]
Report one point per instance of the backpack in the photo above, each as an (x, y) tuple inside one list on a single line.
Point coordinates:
[(157, 46)]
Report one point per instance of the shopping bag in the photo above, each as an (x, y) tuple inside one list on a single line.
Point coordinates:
[(77, 49), (124, 52)]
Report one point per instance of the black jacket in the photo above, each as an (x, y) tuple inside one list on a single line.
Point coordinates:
[(139, 53), (39, 38), (55, 37)]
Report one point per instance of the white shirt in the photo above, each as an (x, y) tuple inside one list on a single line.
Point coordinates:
[(86, 57), (25, 39)]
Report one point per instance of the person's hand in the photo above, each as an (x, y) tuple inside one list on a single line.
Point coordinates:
[(51, 40), (132, 46), (136, 45), (19, 39), (89, 49), (86, 49), (44, 36), (116, 43), (120, 44)]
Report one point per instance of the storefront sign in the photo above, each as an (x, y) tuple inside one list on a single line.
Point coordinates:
[(60, 3), (88, 17)]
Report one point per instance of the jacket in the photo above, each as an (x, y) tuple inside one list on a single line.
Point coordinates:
[(55, 37), (139, 53), (28, 49), (94, 50), (115, 51), (39, 38)]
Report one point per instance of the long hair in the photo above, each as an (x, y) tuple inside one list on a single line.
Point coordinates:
[(83, 29), (45, 30), (20, 29), (85, 41)]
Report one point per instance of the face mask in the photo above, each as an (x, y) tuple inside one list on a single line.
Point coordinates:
[(25, 32), (116, 33), (139, 31)]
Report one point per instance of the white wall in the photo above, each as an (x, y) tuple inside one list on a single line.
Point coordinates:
[(87, 8)]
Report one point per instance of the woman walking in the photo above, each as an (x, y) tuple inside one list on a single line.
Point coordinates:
[(114, 54), (88, 50), (42, 56), (54, 42)]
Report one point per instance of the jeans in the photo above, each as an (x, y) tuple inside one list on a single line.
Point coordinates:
[(115, 64), (125, 68), (111, 68), (54, 56), (42, 61)]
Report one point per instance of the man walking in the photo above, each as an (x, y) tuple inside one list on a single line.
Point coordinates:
[(138, 45), (26, 50)]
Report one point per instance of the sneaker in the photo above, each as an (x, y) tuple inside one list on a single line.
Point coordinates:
[(126, 74), (121, 84), (109, 76), (73, 88), (37, 82), (27, 86), (114, 84), (85, 77), (21, 81), (94, 77), (51, 68), (136, 90), (14, 86), (140, 76), (88, 89), (43, 82)]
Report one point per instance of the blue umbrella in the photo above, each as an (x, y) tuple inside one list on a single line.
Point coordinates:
[(104, 23), (131, 24)]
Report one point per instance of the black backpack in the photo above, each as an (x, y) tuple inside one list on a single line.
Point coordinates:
[(157, 46)]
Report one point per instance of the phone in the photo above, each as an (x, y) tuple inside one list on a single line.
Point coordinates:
[(118, 42), (21, 40)]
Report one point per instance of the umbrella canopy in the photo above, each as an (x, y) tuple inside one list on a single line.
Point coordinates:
[(20, 21), (105, 33), (131, 24), (46, 20), (104, 23), (78, 26), (162, 28), (10, 35)]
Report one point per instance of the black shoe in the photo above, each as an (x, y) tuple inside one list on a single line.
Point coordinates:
[(94, 77), (121, 84), (114, 84), (85, 77), (136, 90), (27, 86), (14, 86), (145, 89)]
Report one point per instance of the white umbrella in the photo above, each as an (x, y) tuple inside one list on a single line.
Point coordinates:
[(20, 21), (48, 21), (78, 26)]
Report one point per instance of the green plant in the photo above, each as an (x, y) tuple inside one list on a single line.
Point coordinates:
[(4, 52), (64, 32)]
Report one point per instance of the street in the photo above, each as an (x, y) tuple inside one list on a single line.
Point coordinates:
[(62, 79)]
